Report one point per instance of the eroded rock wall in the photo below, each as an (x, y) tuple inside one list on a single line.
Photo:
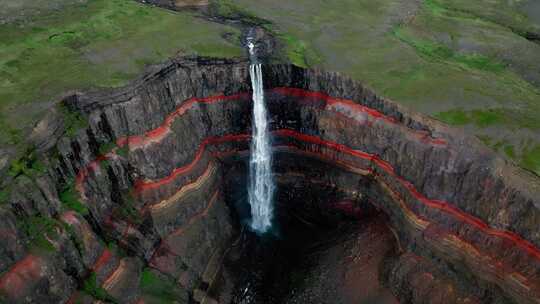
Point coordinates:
[(155, 197)]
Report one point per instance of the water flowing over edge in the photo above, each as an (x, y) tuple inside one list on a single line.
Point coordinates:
[(261, 184)]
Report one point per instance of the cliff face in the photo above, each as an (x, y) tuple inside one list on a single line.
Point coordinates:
[(150, 171)]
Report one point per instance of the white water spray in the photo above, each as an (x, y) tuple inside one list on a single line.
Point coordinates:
[(261, 184)]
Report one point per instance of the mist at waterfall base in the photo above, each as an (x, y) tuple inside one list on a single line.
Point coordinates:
[(273, 267), (260, 184)]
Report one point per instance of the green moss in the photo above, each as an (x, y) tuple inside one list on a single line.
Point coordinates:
[(28, 165), (70, 200), (531, 159), (10, 135), (498, 145), (128, 211), (434, 7), (509, 151), (4, 196), (91, 287), (116, 249), (105, 164), (505, 13), (158, 288), (123, 151), (228, 9), (223, 8), (73, 236), (454, 117), (214, 49), (527, 155), (73, 121), (487, 118), (298, 52), (479, 62), (440, 52), (105, 148), (490, 117), (39, 230)]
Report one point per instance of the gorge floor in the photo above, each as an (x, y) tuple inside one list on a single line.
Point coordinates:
[(311, 257)]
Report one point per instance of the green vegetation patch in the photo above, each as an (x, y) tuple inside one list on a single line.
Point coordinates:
[(481, 118), (526, 154), (509, 151), (158, 289), (505, 13), (299, 52), (11, 135), (531, 159), (123, 151), (70, 200), (128, 210), (435, 51), (79, 244), (229, 10), (106, 148), (73, 121), (116, 248), (28, 165), (40, 230), (4, 195), (511, 118), (92, 288)]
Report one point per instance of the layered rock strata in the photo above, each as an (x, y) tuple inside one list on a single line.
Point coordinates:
[(156, 201)]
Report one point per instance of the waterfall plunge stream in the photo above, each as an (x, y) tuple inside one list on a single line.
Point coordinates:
[(261, 184)]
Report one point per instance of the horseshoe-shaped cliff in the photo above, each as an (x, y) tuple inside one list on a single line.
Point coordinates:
[(155, 170)]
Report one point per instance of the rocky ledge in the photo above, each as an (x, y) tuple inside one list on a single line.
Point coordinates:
[(137, 208)]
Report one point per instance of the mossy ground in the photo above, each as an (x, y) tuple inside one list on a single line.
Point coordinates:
[(40, 231), (70, 200), (92, 288), (158, 289)]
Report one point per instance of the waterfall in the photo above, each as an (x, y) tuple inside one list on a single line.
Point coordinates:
[(261, 184)]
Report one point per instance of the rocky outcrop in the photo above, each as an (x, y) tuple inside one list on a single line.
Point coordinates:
[(149, 171)]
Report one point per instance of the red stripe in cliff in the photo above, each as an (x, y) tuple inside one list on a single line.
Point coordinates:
[(21, 275), (147, 185), (440, 205), (158, 133), (388, 168), (91, 167), (106, 255), (301, 93)]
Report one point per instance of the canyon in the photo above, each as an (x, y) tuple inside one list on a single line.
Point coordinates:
[(159, 174)]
